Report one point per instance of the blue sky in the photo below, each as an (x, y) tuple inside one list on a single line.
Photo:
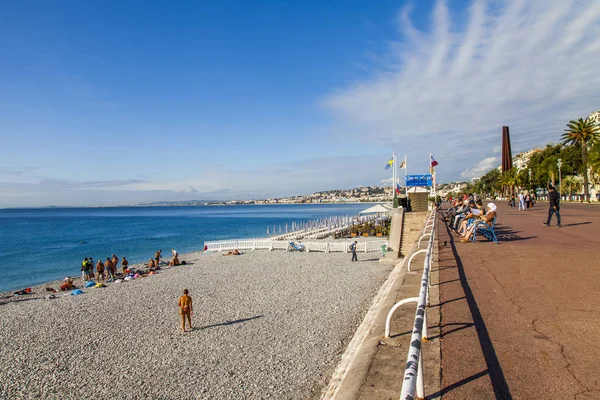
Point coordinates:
[(106, 102)]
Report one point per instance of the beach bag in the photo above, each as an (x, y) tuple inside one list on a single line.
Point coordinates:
[(90, 284), (100, 285), (76, 292)]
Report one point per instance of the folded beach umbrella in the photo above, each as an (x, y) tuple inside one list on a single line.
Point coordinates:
[(76, 292)]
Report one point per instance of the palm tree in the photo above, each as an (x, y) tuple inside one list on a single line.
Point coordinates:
[(509, 180), (582, 132), (571, 184)]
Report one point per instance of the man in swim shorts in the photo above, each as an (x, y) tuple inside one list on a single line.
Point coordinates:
[(100, 271), (185, 309), (125, 265), (157, 257)]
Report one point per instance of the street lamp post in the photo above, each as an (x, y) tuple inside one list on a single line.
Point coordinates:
[(559, 164)]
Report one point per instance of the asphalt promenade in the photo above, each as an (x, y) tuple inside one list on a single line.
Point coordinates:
[(521, 320)]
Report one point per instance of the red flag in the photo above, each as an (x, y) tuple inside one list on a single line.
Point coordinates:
[(433, 162)]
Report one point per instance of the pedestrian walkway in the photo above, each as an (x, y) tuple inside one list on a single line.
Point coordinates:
[(522, 319)]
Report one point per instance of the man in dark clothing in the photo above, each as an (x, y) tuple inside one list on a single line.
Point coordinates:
[(554, 198), (353, 249)]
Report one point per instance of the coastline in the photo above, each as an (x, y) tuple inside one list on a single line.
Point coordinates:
[(39, 290)]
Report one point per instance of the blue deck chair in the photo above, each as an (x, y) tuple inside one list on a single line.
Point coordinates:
[(485, 230)]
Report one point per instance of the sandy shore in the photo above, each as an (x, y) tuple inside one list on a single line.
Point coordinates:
[(267, 325)]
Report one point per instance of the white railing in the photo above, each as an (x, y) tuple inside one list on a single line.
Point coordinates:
[(413, 374), (269, 244)]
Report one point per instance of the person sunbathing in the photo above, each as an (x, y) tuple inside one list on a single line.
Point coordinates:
[(175, 261), (151, 263), (488, 218), (68, 285), (235, 252)]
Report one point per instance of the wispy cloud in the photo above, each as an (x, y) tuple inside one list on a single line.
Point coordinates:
[(292, 178), (532, 65)]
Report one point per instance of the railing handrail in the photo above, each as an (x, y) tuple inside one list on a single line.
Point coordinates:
[(413, 371)]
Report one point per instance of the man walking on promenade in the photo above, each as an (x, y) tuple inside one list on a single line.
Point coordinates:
[(353, 249), (521, 201), (554, 206)]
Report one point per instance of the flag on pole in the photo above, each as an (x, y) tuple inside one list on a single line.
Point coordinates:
[(403, 164), (389, 164), (397, 188), (433, 162)]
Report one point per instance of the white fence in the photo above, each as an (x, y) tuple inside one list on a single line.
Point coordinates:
[(268, 244)]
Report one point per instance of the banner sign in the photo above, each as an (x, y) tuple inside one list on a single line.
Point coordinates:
[(419, 180)]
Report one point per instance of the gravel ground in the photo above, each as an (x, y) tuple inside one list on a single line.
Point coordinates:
[(267, 325)]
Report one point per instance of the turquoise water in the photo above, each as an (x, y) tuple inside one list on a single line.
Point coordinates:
[(40, 245)]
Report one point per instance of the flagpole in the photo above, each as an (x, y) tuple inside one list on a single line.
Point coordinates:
[(393, 176), (431, 171), (405, 187)]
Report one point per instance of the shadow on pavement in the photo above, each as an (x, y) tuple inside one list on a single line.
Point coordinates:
[(461, 326), (494, 369), (458, 384), (447, 301), (579, 223), (507, 234)]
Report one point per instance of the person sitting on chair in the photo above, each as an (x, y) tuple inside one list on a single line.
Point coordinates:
[(488, 218)]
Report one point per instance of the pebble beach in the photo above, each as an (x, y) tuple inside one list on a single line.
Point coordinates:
[(267, 325)]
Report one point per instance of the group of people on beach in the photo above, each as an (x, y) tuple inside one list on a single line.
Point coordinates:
[(155, 262), (106, 270), (464, 214)]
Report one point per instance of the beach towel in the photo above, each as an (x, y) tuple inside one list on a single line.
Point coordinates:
[(76, 292), (90, 284), (136, 276)]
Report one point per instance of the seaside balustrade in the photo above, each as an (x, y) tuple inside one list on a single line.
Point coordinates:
[(309, 246)]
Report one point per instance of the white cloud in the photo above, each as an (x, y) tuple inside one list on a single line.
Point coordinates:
[(481, 168), (531, 65)]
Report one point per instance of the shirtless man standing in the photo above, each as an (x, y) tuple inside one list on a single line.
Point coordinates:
[(185, 309), (157, 256), (125, 265), (100, 271), (109, 270)]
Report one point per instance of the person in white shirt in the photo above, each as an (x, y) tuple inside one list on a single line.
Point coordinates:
[(521, 202)]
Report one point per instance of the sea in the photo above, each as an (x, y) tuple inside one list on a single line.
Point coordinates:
[(41, 245)]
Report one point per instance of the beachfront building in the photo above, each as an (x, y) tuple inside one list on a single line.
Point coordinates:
[(521, 160)]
